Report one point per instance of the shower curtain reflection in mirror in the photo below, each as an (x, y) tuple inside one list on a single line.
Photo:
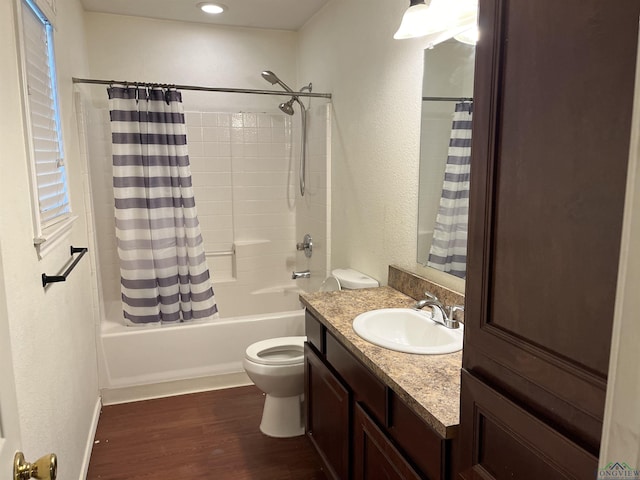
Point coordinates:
[(448, 251)]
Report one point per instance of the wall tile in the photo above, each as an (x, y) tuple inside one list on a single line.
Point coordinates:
[(208, 119)]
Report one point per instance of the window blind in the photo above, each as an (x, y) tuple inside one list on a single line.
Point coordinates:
[(50, 174)]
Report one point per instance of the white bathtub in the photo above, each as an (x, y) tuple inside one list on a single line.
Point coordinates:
[(147, 362)]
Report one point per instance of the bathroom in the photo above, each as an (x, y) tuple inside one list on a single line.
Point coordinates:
[(49, 336)]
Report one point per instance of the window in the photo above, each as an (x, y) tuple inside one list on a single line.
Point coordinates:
[(52, 210)]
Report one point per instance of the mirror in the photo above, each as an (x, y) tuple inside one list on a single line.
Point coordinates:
[(445, 147)]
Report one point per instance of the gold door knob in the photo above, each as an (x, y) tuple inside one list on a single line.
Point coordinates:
[(45, 468)]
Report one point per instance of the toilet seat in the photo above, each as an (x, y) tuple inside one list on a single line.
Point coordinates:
[(277, 351)]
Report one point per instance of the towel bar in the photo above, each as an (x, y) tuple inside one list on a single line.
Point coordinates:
[(46, 279)]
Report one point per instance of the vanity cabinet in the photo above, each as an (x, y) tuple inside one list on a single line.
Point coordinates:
[(553, 91), (360, 427)]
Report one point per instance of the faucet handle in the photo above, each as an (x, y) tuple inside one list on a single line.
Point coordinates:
[(431, 296), (455, 311)]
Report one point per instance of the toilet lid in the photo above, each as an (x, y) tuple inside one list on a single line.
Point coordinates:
[(352, 279), (277, 351)]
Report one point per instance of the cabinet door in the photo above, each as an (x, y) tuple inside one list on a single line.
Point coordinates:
[(552, 116), (374, 456), (510, 443), (327, 420)]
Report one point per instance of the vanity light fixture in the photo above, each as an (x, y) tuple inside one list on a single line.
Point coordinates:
[(212, 8), (441, 19), (413, 20)]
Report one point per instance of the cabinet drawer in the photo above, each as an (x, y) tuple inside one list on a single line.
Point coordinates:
[(367, 389), (315, 332), (419, 441), (503, 440)]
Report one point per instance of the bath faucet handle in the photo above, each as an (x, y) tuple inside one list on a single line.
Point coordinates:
[(306, 245), (455, 312)]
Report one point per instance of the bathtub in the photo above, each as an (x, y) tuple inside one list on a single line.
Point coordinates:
[(146, 362)]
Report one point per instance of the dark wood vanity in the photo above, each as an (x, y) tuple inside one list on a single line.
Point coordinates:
[(359, 426)]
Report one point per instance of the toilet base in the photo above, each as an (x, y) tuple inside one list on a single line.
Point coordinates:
[(282, 417)]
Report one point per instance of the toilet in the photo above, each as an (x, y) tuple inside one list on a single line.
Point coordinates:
[(276, 366)]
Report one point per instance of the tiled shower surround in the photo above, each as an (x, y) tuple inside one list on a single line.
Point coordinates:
[(240, 168), (245, 177)]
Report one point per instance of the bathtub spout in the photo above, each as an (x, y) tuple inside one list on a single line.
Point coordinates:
[(304, 274)]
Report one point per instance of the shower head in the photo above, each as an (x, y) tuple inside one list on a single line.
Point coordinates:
[(287, 107), (272, 78)]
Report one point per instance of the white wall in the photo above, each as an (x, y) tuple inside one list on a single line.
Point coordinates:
[(143, 49), (348, 49), (51, 331)]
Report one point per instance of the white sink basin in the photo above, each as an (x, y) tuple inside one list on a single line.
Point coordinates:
[(407, 330)]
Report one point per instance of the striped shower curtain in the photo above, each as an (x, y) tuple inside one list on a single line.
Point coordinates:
[(449, 245), (164, 274)]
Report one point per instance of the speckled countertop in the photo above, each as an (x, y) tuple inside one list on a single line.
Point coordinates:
[(429, 384)]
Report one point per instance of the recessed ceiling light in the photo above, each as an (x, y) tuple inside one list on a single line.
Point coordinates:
[(212, 8)]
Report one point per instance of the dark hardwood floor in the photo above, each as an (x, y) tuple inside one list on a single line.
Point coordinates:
[(210, 435)]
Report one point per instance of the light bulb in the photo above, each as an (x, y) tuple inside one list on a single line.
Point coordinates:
[(212, 8)]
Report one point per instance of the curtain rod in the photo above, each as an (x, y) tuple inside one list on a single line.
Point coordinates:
[(202, 89), (447, 99)]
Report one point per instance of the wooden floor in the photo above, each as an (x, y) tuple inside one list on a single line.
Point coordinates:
[(211, 435)]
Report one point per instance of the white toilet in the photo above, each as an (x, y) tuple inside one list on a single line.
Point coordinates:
[(276, 366)]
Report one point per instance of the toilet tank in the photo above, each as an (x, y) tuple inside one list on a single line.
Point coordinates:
[(351, 279)]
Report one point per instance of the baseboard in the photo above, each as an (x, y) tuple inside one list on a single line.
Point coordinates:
[(114, 396), (90, 439)]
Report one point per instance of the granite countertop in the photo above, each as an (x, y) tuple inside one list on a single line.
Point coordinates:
[(429, 384)]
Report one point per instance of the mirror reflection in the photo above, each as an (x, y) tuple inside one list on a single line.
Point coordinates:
[(445, 151)]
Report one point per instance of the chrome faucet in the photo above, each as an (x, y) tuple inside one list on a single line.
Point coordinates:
[(439, 311), (303, 274)]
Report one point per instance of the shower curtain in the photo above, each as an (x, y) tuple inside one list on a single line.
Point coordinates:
[(164, 274), (448, 251)]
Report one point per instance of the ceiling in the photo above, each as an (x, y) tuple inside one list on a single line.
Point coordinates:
[(273, 14)]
